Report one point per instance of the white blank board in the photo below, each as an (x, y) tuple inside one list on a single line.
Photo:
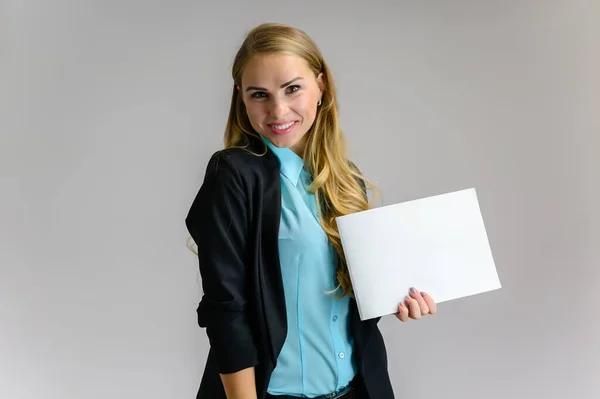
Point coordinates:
[(437, 244)]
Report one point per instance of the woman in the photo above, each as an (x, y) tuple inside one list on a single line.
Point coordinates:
[(278, 305)]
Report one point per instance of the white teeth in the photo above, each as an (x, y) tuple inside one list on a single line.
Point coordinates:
[(283, 127)]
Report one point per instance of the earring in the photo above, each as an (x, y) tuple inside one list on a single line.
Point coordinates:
[(319, 103)]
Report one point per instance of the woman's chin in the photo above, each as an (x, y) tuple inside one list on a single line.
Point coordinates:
[(281, 141)]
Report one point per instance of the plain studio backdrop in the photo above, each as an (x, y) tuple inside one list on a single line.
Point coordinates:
[(109, 111)]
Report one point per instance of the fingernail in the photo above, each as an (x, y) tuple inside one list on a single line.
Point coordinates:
[(423, 294), (413, 290)]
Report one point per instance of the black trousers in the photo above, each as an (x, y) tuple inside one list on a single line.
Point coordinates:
[(353, 394), (357, 392)]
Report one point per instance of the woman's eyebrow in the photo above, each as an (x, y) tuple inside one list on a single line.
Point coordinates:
[(282, 86)]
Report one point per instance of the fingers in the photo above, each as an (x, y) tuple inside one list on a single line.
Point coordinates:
[(416, 295), (414, 312), (430, 303), (402, 313), (416, 304)]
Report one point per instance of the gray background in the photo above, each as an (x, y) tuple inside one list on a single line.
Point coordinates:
[(110, 109)]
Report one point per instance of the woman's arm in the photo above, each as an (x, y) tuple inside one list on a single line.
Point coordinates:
[(240, 385), (218, 223)]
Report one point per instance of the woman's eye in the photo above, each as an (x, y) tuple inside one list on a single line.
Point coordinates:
[(262, 94)]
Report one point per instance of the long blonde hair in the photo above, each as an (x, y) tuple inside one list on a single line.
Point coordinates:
[(338, 185)]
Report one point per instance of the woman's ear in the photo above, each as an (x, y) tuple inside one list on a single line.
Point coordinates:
[(321, 83)]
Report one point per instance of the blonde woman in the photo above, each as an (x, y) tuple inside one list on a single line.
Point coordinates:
[(278, 305)]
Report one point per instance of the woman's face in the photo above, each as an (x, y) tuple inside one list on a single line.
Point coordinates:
[(281, 95)]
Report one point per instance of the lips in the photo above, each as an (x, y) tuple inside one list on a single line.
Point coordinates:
[(282, 127)]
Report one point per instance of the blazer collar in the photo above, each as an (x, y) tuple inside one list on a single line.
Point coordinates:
[(290, 163)]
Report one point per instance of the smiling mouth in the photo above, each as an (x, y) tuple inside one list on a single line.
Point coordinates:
[(284, 128)]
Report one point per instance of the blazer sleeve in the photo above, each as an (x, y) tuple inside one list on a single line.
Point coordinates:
[(218, 223)]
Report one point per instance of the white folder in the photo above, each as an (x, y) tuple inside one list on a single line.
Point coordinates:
[(437, 244)]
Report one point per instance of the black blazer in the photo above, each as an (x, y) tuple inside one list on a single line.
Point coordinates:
[(234, 220)]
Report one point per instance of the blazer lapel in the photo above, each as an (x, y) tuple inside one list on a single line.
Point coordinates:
[(273, 297), (361, 330)]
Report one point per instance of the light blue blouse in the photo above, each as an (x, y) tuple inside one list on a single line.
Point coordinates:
[(317, 355)]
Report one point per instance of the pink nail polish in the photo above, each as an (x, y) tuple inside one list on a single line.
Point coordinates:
[(413, 290), (423, 294)]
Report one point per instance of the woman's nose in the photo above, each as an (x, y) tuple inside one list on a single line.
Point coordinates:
[(279, 107)]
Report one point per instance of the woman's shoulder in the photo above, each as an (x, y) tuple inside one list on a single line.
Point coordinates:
[(243, 162), (238, 156)]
